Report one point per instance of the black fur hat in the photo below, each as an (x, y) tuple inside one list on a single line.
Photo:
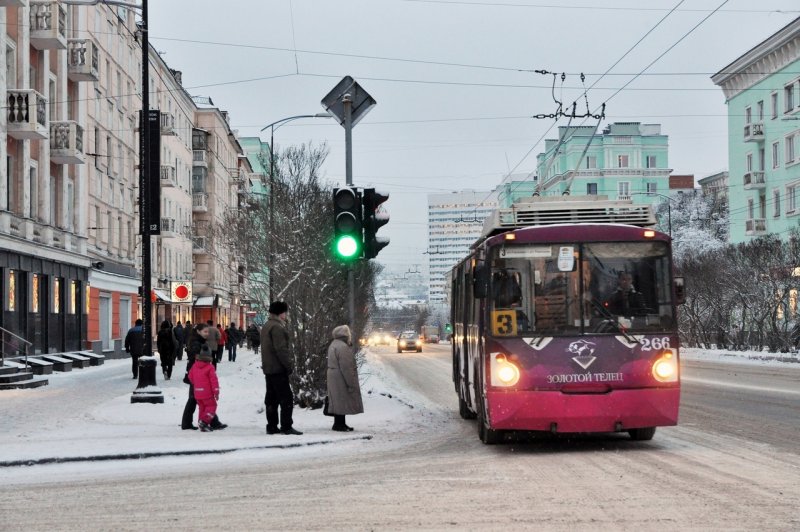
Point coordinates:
[(278, 307)]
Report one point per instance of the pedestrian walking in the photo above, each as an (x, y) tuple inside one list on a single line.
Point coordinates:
[(181, 338), (213, 339), (240, 335), (253, 337), (232, 341), (134, 344), (165, 342), (277, 364), (223, 340), (203, 378), (344, 390)]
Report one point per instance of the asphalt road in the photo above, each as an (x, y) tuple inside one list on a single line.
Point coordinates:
[(726, 466)]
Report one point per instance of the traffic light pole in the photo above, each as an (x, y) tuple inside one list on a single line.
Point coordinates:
[(347, 102), (144, 191)]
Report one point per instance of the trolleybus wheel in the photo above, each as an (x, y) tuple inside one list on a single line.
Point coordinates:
[(463, 409), (487, 435), (642, 434)]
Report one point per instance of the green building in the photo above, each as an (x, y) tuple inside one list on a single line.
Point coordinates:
[(628, 160), (762, 91)]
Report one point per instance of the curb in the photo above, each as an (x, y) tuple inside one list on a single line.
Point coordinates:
[(140, 456)]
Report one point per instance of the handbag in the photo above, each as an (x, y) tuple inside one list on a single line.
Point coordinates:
[(325, 408)]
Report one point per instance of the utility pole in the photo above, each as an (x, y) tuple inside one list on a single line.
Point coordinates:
[(347, 103), (144, 190)]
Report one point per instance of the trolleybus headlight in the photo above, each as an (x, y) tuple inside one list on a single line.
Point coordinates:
[(665, 369), (504, 372)]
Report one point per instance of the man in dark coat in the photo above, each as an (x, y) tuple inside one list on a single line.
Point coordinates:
[(134, 344), (232, 341), (253, 337), (277, 364), (181, 339), (165, 342), (625, 300)]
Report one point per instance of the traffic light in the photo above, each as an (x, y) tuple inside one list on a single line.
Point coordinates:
[(347, 243), (448, 328), (374, 218)]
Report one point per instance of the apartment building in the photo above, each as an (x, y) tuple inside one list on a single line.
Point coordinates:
[(44, 264), (215, 187), (455, 221), (762, 91), (627, 160), (171, 252)]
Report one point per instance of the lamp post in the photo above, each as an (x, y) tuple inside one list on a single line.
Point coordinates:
[(669, 206), (272, 127)]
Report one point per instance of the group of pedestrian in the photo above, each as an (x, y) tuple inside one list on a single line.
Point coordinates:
[(204, 346)]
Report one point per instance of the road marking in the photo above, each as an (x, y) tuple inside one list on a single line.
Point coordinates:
[(727, 384)]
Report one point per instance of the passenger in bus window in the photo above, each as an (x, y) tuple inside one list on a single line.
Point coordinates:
[(507, 292), (625, 300)]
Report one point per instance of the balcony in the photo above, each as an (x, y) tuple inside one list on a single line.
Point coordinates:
[(48, 25), (754, 132), (27, 114), (199, 245), (754, 180), (200, 158), (199, 202), (168, 228), (623, 197), (755, 227), (167, 124), (83, 59), (66, 143), (168, 176)]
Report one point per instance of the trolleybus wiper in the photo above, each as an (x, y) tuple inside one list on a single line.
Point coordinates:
[(610, 320)]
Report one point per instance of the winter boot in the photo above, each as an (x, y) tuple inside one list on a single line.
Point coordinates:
[(204, 427), (216, 424)]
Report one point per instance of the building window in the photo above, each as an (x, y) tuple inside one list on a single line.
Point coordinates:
[(652, 188), (650, 161), (791, 199), (776, 201), (774, 102), (35, 293), (87, 300), (56, 295), (622, 161), (624, 189), (788, 98), (776, 159), (750, 208), (591, 161), (748, 115), (749, 162), (73, 297), (760, 110), (591, 189), (12, 290), (789, 149)]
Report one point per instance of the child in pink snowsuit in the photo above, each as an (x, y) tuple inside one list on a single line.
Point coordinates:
[(203, 377)]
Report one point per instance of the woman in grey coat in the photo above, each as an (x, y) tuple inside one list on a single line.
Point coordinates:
[(344, 391)]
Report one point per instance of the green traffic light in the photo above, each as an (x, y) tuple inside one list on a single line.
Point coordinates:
[(347, 247)]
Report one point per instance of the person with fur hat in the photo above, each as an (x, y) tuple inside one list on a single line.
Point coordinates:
[(344, 390), (277, 364), (203, 377)]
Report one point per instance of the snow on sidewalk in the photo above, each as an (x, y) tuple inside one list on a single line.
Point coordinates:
[(89, 416)]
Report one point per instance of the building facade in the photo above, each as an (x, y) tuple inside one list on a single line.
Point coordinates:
[(628, 160), (44, 265), (762, 91), (455, 221)]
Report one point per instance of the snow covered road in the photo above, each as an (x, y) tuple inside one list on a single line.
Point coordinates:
[(424, 468)]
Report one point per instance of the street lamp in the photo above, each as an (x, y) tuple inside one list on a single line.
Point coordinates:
[(669, 206), (272, 127)]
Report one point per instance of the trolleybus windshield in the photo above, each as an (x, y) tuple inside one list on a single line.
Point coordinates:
[(573, 289)]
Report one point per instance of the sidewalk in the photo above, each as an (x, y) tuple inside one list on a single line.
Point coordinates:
[(86, 415)]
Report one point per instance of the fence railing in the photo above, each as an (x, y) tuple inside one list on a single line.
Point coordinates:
[(14, 343)]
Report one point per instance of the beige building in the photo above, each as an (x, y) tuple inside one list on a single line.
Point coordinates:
[(215, 183)]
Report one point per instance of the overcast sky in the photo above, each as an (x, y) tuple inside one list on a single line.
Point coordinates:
[(454, 80)]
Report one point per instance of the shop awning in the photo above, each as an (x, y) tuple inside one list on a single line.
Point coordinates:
[(162, 295), (204, 301)]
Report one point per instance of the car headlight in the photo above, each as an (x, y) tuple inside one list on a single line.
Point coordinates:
[(504, 372), (419, 342), (402, 343), (665, 369), (386, 339)]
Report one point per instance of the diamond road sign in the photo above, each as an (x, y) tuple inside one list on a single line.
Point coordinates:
[(362, 101)]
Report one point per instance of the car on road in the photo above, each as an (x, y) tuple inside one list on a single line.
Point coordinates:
[(380, 338), (409, 341)]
